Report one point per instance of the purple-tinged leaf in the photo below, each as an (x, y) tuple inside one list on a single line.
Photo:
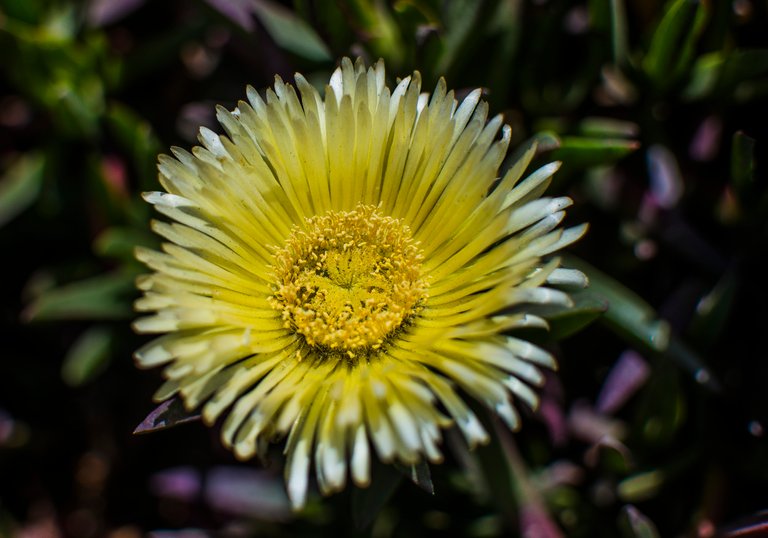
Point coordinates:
[(649, 211), (551, 413), (238, 11), (192, 116), (752, 526), (178, 483), (616, 88), (534, 520), (550, 410), (705, 143), (577, 20), (536, 523), (290, 31), (629, 373), (241, 491), (585, 424), (169, 413), (561, 473), (13, 433), (664, 173), (604, 187), (633, 319), (284, 26), (104, 12)]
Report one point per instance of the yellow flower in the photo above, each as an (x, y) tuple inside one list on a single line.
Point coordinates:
[(344, 270)]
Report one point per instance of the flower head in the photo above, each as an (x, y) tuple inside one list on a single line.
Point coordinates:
[(345, 270)]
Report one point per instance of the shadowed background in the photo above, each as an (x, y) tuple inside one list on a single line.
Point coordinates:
[(655, 424)]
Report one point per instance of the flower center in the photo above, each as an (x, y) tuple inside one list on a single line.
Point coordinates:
[(348, 280)]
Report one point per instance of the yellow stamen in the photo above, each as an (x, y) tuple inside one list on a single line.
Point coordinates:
[(348, 280)]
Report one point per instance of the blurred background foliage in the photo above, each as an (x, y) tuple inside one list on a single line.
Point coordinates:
[(655, 425)]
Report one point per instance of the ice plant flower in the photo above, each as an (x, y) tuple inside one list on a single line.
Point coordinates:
[(346, 270)]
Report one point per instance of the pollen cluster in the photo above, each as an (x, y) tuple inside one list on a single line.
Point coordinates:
[(348, 280)]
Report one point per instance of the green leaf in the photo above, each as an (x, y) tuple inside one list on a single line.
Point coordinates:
[(290, 31), (460, 18), (546, 141), (713, 311), (368, 502), (88, 356), (720, 73), (660, 410), (641, 486), (120, 243), (635, 524), (332, 17), (20, 185), (61, 24), (167, 414), (627, 312), (542, 142), (636, 321), (705, 76), (583, 152), (532, 513), (610, 17), (506, 27), (101, 297), (52, 64), (601, 127), (55, 26), (374, 19), (587, 308), (499, 481), (419, 474), (672, 45), (77, 104), (619, 32)]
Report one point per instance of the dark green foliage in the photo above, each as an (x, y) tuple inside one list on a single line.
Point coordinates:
[(657, 110)]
